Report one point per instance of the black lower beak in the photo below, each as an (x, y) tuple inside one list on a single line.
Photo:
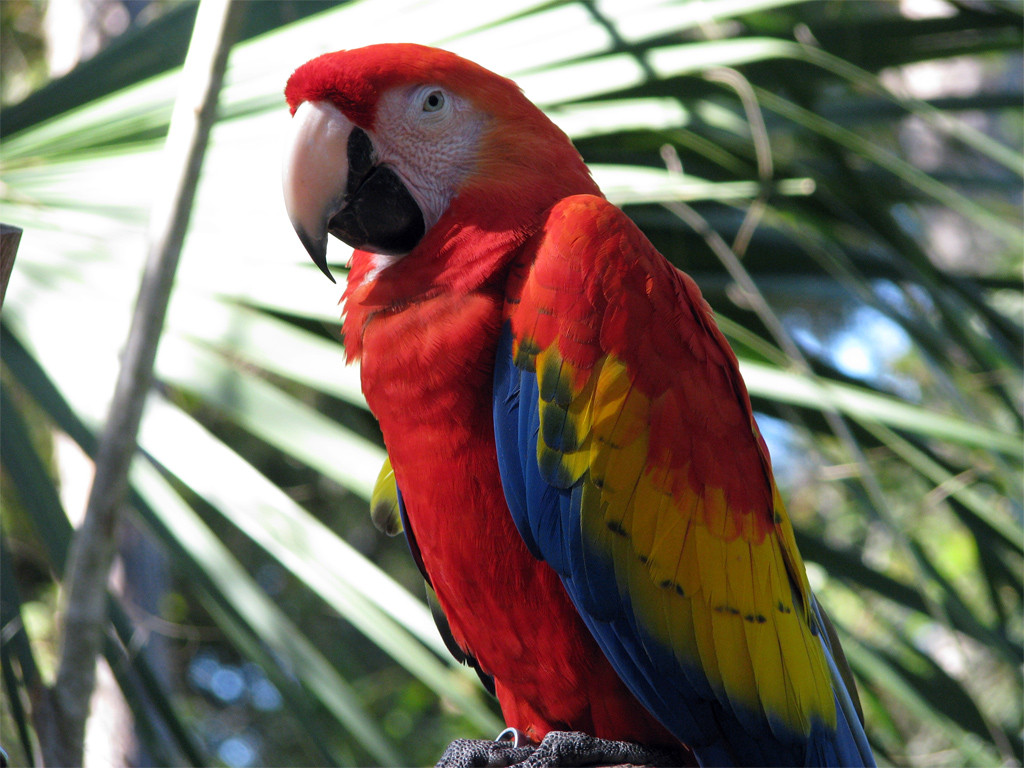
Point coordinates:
[(377, 213), (380, 216)]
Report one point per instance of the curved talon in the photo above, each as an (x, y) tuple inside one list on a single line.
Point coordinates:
[(513, 735)]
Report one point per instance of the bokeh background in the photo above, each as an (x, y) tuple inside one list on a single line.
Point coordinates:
[(861, 165)]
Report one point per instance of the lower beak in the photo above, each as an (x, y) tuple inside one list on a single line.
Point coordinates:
[(333, 184)]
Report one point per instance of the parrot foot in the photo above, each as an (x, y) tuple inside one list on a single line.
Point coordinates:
[(562, 749), (510, 748), (559, 749)]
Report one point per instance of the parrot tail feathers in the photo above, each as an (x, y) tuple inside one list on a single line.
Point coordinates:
[(849, 745)]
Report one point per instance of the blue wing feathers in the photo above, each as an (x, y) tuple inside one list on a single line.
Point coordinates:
[(546, 511), (511, 421), (548, 520)]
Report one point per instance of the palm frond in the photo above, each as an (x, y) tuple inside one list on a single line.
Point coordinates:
[(259, 436)]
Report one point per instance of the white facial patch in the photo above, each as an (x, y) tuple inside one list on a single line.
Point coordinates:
[(429, 137)]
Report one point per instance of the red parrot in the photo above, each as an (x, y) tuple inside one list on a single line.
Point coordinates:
[(580, 475)]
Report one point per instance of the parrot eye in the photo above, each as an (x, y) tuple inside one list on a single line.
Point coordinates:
[(434, 101)]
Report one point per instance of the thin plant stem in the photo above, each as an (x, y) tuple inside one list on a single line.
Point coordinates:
[(84, 625)]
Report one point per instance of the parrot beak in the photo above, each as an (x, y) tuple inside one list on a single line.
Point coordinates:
[(333, 184), (315, 174)]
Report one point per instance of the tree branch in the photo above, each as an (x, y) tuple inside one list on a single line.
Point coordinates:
[(92, 551)]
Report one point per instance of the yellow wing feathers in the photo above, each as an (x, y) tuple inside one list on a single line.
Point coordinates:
[(704, 580), (384, 508), (644, 419)]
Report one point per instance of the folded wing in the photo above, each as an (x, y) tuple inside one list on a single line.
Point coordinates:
[(632, 464)]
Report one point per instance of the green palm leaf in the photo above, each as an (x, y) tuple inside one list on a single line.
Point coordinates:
[(904, 478)]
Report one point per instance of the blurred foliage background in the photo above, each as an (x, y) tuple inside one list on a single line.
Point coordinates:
[(861, 165)]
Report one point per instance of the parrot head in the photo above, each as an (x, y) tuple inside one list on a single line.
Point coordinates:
[(396, 148)]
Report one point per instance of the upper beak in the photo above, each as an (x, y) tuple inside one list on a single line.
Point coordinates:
[(334, 183), (316, 174)]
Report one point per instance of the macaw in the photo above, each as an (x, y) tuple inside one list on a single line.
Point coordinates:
[(579, 473)]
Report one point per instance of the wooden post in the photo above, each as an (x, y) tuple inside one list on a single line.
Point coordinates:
[(10, 239)]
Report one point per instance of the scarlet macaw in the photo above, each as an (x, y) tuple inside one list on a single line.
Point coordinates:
[(581, 478)]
